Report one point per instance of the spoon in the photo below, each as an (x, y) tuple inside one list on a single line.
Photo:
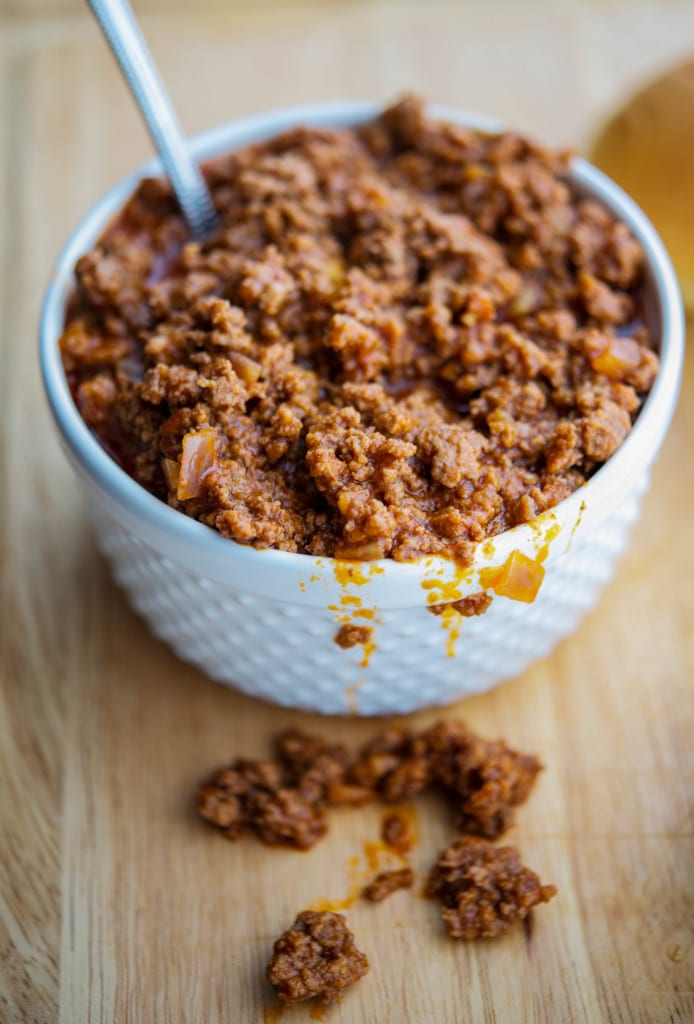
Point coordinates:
[(123, 34)]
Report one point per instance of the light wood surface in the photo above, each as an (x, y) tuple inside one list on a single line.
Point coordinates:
[(116, 904)]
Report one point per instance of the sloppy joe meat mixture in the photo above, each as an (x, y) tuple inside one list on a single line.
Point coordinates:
[(405, 337), (484, 888), (284, 801), (315, 959)]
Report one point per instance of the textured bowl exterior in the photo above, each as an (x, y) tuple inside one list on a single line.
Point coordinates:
[(265, 621), (285, 652)]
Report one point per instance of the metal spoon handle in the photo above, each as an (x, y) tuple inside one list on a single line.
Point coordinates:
[(123, 33)]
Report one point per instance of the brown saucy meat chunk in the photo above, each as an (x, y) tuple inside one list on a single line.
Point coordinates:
[(387, 882), (483, 779), (283, 802), (484, 888), (315, 958), (404, 338), (474, 604), (349, 635), (396, 833)]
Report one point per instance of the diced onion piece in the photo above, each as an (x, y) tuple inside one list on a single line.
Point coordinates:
[(171, 471), (520, 578), (336, 271), (361, 551), (473, 172), (620, 356), (247, 369), (528, 299), (199, 454), (348, 793), (344, 502)]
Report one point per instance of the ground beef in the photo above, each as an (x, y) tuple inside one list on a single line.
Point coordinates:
[(484, 780), (404, 338), (283, 802), (388, 882), (474, 604), (395, 833), (350, 635), (252, 795), (484, 888), (394, 766), (315, 958)]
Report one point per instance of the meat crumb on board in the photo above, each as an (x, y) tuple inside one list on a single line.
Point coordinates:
[(315, 959)]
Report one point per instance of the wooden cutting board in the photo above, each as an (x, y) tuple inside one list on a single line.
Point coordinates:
[(116, 903)]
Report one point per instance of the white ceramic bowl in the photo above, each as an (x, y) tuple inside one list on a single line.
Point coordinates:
[(265, 621)]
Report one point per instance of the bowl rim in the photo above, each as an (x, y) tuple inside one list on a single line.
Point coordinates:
[(615, 477)]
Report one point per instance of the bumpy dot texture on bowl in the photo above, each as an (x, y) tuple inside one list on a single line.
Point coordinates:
[(286, 653)]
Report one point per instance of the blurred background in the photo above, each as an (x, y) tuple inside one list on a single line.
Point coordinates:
[(555, 68)]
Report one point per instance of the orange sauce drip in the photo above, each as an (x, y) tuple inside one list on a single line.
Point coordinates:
[(543, 550), (333, 905), (450, 622), (271, 1014), (380, 854), (317, 1013), (369, 648), (489, 577), (445, 591), (358, 613), (364, 613), (376, 851), (349, 573), (519, 578), (355, 887), (578, 522)]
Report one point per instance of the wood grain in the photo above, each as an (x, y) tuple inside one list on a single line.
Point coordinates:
[(116, 904)]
